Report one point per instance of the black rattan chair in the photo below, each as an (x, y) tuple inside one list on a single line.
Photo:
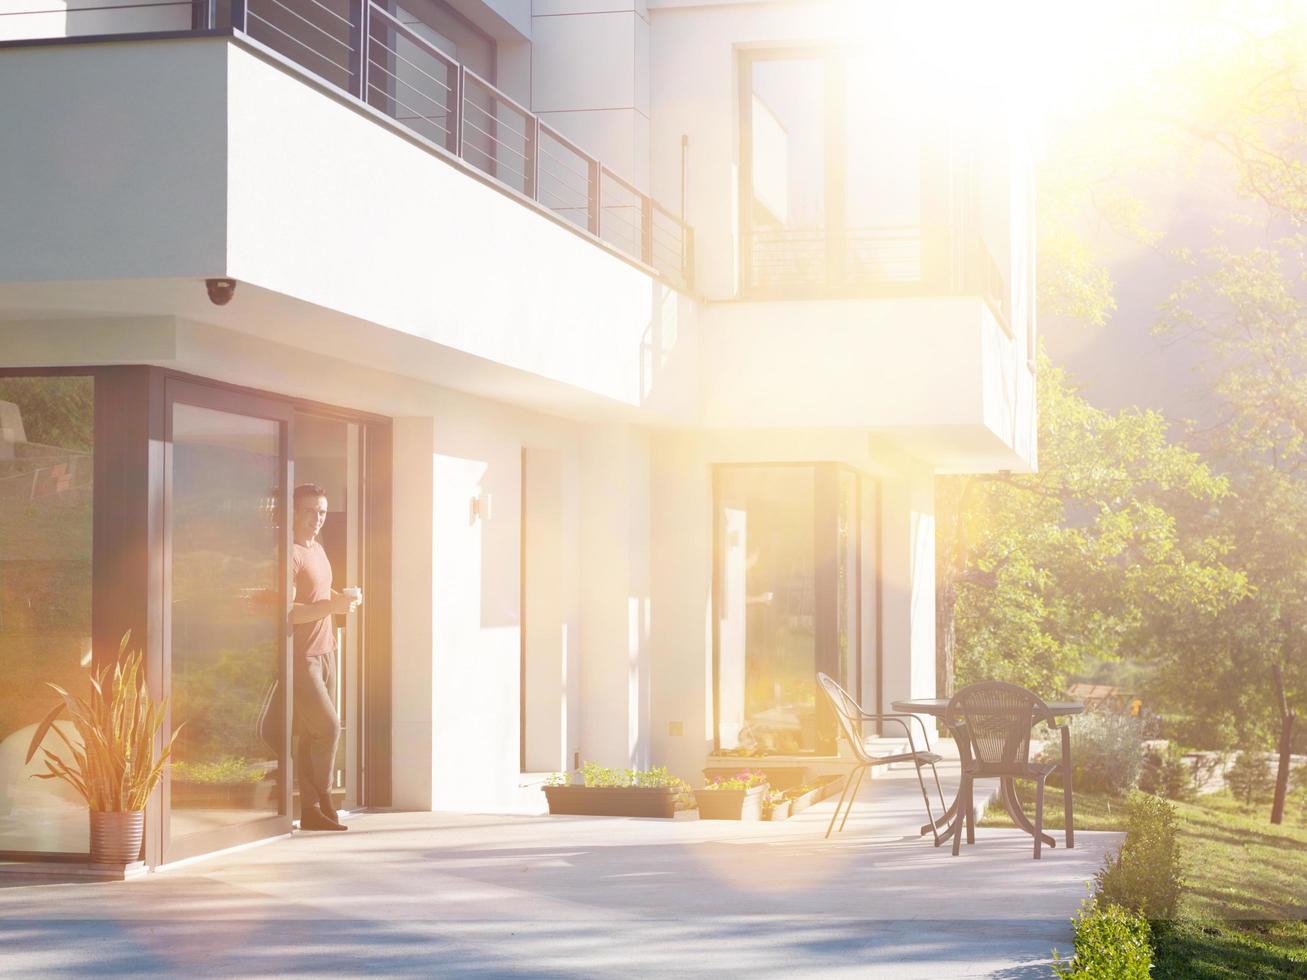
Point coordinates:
[(992, 722), (851, 718)]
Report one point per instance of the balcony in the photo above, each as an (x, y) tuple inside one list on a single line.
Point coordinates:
[(366, 53)]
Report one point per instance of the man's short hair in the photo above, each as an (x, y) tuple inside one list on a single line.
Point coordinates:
[(306, 490)]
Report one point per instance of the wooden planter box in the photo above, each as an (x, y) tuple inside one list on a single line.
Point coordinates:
[(780, 777), (826, 786), (781, 811), (731, 804), (612, 801)]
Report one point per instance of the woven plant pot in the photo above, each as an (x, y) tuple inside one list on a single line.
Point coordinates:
[(116, 837)]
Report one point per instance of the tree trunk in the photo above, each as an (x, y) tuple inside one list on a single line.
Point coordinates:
[(1287, 718)]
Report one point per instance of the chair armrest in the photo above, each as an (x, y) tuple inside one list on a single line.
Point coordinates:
[(899, 716)]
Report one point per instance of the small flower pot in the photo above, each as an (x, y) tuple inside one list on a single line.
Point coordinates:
[(780, 811), (801, 803), (612, 801), (731, 804), (116, 837)]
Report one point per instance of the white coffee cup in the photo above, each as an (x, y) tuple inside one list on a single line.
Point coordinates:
[(354, 594)]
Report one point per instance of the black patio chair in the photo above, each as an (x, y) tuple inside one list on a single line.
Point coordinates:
[(851, 718), (992, 722)]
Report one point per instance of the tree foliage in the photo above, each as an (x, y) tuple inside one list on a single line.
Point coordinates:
[(1096, 555)]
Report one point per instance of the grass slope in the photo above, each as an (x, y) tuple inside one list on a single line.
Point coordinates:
[(1244, 913)]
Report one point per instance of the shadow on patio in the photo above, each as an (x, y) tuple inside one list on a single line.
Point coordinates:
[(423, 893)]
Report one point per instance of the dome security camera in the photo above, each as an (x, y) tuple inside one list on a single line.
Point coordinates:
[(220, 290)]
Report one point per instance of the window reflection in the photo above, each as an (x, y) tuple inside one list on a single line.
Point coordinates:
[(46, 489), (789, 576)]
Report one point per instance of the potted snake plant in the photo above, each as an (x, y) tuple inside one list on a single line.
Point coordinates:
[(111, 761)]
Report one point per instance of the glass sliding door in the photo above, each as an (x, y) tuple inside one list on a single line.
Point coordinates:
[(789, 598), (226, 534), (766, 613), (328, 451), (46, 490)]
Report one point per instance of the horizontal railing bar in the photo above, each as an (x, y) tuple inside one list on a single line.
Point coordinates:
[(326, 10), (493, 159), (566, 206), (399, 57), (498, 95), (409, 108), (323, 31), (563, 141), (490, 115), (444, 108), (414, 36), (493, 139), (81, 10), (563, 163), (584, 192), (624, 183), (290, 37)]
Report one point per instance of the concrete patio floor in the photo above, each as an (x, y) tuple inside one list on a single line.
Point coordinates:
[(427, 894)]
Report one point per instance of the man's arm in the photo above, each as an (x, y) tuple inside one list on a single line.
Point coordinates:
[(311, 612)]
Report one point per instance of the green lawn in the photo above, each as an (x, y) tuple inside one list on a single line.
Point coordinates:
[(1244, 913)]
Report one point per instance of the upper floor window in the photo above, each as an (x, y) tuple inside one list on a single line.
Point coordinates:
[(832, 157)]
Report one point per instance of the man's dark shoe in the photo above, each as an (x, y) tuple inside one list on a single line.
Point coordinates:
[(315, 819)]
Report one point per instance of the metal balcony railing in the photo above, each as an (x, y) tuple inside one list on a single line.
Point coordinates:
[(368, 51)]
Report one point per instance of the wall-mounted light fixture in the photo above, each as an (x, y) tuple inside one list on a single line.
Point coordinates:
[(481, 508)]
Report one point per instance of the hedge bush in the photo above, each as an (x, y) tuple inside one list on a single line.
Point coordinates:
[(1145, 875), (1112, 943), (1164, 773), (1107, 751)]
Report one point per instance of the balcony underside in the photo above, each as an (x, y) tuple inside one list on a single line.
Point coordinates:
[(940, 377), (125, 194)]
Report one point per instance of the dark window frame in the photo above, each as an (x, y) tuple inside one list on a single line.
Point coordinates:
[(130, 431)]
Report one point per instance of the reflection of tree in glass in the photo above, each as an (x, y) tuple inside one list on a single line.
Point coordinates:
[(219, 701), (56, 411)]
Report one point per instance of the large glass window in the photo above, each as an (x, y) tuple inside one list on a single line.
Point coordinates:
[(227, 617), (46, 487), (788, 602), (832, 158)]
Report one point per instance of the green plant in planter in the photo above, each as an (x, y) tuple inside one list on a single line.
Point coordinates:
[(594, 775), (744, 779), (114, 769), (233, 769), (558, 779), (773, 799)]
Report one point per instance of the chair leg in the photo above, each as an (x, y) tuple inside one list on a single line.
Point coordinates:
[(938, 788), (964, 800), (1039, 817), (1066, 810), (930, 817), (852, 796), (848, 781), (971, 819)]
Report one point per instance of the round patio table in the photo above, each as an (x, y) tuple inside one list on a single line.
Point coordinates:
[(936, 707)]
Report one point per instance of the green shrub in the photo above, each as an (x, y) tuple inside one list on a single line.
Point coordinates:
[(1145, 876), (1250, 778), (1164, 773), (744, 779), (1111, 943), (1107, 751)]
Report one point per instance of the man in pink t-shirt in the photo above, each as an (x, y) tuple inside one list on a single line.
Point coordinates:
[(314, 602)]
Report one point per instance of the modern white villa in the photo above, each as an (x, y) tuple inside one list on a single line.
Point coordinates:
[(627, 338)]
